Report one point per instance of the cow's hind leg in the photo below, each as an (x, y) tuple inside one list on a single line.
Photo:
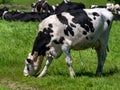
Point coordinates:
[(101, 53), (68, 58)]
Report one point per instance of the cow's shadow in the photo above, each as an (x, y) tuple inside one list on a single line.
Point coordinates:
[(107, 73), (110, 72)]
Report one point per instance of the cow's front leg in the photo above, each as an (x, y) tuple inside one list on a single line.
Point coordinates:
[(48, 62), (68, 58)]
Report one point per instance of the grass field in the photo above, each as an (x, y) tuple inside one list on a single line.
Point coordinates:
[(53, 2), (16, 40)]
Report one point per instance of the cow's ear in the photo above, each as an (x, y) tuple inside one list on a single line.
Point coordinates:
[(29, 61)]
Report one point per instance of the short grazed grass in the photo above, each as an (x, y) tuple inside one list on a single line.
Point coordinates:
[(16, 40)]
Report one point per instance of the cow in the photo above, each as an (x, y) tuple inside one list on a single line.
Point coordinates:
[(116, 17), (60, 33), (114, 8), (24, 16), (64, 6), (42, 6), (117, 9), (67, 6)]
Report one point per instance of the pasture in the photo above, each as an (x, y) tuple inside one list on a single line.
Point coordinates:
[(16, 40)]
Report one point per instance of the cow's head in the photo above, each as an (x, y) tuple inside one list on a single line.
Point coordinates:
[(35, 58), (32, 64)]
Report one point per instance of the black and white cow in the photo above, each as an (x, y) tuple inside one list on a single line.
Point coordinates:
[(67, 6), (24, 16), (114, 8), (42, 6), (116, 17), (78, 30), (64, 6)]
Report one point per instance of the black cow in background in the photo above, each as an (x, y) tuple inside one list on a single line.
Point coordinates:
[(67, 6), (43, 10), (24, 16)]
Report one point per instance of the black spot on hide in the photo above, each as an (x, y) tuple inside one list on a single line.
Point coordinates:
[(56, 42), (47, 30), (51, 35), (62, 19), (72, 25), (95, 14), (50, 25), (84, 32), (94, 18), (69, 30), (42, 39), (80, 17), (87, 38), (60, 41)]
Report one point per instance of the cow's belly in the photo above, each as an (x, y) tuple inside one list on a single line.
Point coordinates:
[(82, 46), (84, 43)]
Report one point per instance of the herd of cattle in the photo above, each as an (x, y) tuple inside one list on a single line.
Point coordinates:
[(42, 9), (69, 26)]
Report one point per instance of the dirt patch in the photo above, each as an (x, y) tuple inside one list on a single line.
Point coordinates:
[(16, 85)]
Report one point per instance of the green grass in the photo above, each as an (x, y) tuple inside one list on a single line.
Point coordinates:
[(16, 40), (53, 2), (3, 87)]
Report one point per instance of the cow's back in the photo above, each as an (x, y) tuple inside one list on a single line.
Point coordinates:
[(80, 29)]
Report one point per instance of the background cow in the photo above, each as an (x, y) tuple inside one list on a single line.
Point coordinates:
[(24, 16), (78, 30), (64, 6), (116, 17), (42, 6), (67, 6)]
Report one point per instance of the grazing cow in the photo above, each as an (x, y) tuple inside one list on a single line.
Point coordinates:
[(78, 30), (24, 16)]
